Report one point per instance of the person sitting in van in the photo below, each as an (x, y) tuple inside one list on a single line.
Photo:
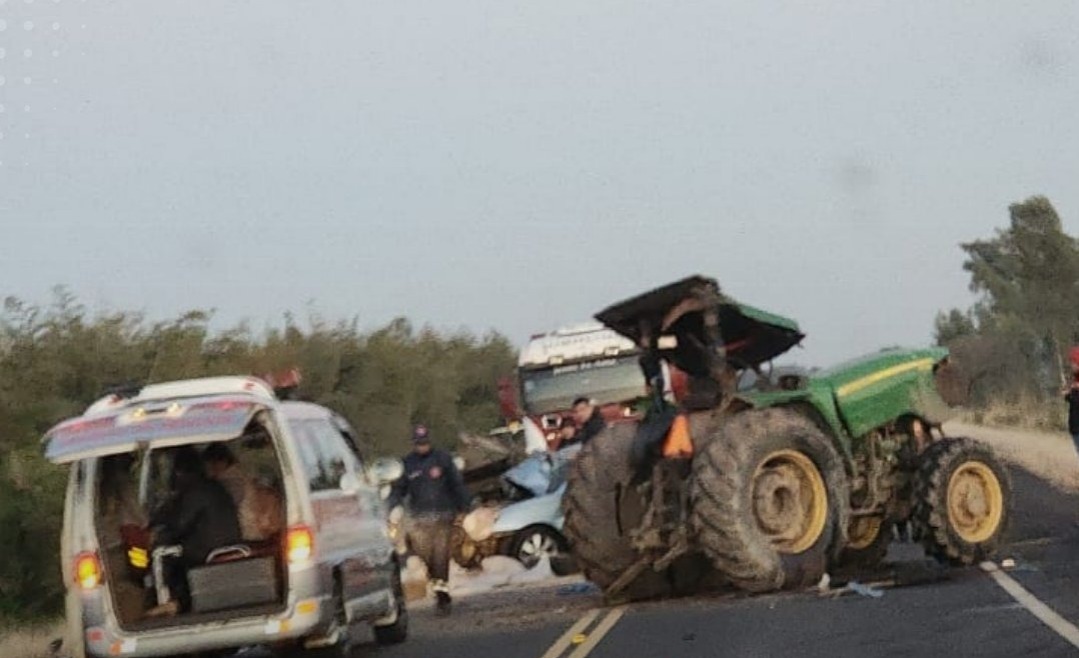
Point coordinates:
[(202, 518), (258, 502), (221, 465)]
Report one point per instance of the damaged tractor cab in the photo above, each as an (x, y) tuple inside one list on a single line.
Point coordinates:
[(768, 486)]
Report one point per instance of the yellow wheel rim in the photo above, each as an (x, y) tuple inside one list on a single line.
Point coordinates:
[(975, 502), (863, 531), (790, 502)]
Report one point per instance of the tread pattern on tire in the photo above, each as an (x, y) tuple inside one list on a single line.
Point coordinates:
[(931, 500), (591, 514), (722, 515)]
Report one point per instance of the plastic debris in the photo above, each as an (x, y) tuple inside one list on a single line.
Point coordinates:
[(864, 590), (824, 584), (1007, 563), (577, 588), (579, 638)]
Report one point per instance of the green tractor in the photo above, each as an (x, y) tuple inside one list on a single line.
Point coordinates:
[(767, 482)]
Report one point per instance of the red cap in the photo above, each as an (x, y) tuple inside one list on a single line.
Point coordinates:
[(1073, 354)]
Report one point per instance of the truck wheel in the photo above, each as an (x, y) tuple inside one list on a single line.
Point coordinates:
[(770, 500), (962, 500), (868, 538), (397, 632), (596, 487)]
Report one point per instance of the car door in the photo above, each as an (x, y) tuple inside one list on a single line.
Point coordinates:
[(349, 525)]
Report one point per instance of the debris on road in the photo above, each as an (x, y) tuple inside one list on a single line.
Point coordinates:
[(864, 590), (824, 584), (1008, 563), (872, 590), (584, 587)]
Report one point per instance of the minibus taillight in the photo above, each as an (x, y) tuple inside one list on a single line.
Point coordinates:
[(87, 570), (299, 544)]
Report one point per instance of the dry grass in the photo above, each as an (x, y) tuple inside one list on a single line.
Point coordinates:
[(1049, 455), (1026, 413), (29, 641)]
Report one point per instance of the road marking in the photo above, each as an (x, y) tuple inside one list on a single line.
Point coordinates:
[(601, 630), (563, 642), (1044, 613)]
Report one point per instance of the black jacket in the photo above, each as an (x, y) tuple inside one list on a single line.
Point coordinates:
[(202, 519), (592, 427), (431, 484), (1072, 396)]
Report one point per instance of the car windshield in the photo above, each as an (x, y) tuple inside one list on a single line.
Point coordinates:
[(605, 381)]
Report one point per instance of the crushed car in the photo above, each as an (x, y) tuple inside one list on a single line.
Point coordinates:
[(527, 524)]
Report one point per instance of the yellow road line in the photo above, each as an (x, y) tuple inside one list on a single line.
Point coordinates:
[(563, 642), (1044, 613), (600, 631), (869, 380)]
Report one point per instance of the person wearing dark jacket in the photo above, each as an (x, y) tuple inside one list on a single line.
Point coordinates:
[(201, 518), (433, 492), (589, 421)]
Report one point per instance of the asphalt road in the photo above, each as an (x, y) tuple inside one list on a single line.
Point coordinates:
[(959, 612)]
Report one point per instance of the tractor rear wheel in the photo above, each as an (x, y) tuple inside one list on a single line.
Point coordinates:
[(770, 500), (962, 501), (597, 489)]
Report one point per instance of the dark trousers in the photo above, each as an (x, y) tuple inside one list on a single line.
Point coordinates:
[(428, 537)]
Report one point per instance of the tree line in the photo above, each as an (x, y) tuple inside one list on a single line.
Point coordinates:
[(1013, 341), (57, 358)]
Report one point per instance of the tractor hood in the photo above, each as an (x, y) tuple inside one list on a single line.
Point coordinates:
[(749, 336)]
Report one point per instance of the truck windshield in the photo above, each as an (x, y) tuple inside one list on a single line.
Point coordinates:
[(604, 380)]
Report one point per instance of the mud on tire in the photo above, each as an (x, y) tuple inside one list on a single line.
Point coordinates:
[(734, 483), (597, 477), (962, 501)]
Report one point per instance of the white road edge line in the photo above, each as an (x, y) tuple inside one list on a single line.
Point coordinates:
[(1034, 606), (564, 641), (600, 631)]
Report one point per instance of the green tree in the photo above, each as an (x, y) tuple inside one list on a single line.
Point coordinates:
[(1028, 276)]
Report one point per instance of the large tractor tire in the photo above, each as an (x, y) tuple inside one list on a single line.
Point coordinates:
[(597, 488), (770, 500), (962, 501)]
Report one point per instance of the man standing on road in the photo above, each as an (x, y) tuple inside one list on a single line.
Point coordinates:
[(434, 492)]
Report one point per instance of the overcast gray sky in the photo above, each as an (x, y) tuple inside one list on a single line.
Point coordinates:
[(519, 165)]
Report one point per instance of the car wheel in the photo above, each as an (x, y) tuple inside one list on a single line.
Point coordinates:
[(536, 542)]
